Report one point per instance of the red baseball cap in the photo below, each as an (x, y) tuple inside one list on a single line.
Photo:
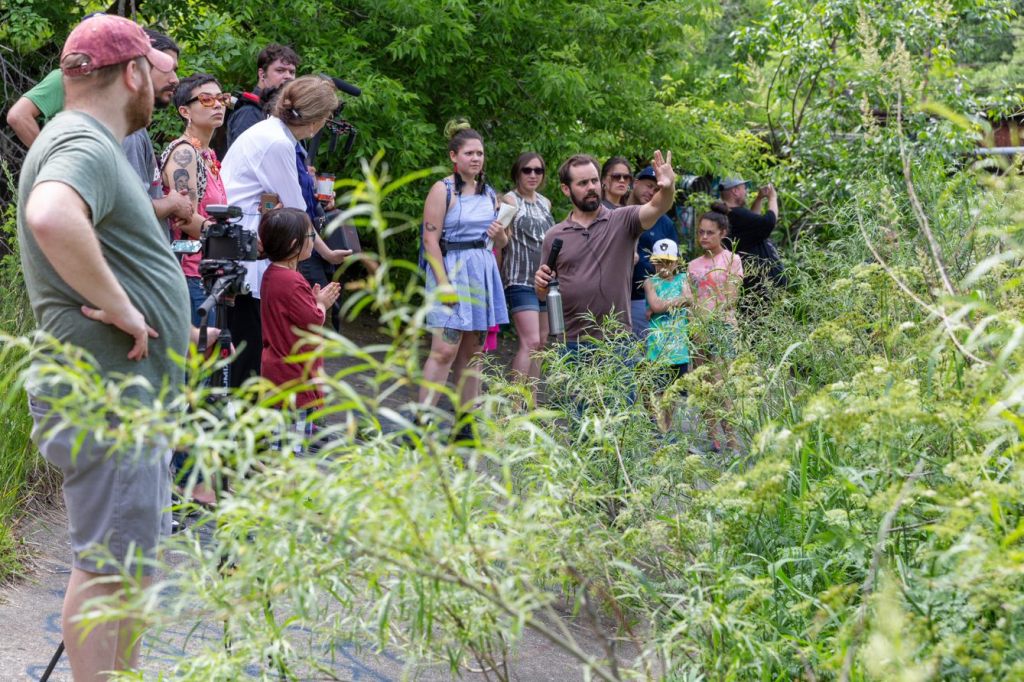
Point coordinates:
[(107, 39)]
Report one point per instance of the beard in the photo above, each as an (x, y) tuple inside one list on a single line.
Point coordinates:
[(139, 111), (589, 203)]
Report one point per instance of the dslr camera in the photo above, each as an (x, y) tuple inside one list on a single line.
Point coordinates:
[(226, 240)]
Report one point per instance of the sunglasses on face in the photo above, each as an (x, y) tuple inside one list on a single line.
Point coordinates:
[(621, 177), (208, 100), (532, 170)]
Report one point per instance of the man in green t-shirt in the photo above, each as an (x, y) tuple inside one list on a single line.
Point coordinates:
[(100, 274), (44, 101)]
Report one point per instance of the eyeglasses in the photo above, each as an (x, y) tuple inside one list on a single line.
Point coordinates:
[(311, 234), (621, 177), (532, 170), (208, 100)]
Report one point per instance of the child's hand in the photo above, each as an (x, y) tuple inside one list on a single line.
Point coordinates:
[(328, 295)]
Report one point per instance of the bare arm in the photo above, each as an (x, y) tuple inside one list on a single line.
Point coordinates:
[(655, 302), (332, 256), (662, 200), (433, 220), (175, 204), (180, 175), (59, 221), (22, 119)]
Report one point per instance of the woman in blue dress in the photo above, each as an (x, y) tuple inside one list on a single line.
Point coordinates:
[(459, 234)]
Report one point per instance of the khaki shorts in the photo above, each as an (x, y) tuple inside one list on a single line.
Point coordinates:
[(117, 500)]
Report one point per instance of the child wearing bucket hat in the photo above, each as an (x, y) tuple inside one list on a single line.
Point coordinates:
[(667, 342)]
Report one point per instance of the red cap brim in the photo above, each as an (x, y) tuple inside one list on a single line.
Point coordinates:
[(160, 61)]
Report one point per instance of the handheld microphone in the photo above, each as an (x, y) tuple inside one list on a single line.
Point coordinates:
[(556, 246), (556, 318)]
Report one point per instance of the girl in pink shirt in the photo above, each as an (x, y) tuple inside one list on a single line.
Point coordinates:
[(717, 276)]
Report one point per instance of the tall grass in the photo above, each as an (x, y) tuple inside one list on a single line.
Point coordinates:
[(22, 472)]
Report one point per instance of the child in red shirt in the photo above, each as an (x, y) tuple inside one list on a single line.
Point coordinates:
[(288, 304)]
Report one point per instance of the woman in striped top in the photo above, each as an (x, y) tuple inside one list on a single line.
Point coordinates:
[(521, 259)]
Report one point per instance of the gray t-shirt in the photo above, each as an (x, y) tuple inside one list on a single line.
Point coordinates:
[(139, 150), (79, 151)]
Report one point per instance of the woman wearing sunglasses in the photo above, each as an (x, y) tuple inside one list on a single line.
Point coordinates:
[(268, 159), (190, 167), (615, 182), (521, 259)]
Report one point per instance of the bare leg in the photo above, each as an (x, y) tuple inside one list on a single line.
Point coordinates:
[(108, 646), (466, 369), (531, 329), (443, 349)]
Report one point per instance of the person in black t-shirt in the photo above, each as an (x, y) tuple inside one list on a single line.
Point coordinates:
[(750, 232)]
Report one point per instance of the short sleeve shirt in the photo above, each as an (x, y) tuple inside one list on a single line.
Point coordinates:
[(139, 150), (77, 150), (717, 279), (48, 95), (594, 268)]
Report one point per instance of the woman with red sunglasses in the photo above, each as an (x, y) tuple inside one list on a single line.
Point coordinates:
[(188, 165)]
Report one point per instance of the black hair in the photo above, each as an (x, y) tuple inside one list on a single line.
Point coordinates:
[(522, 160), (283, 232), (188, 85), (161, 41), (459, 133), (719, 215)]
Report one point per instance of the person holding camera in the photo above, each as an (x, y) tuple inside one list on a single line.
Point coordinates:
[(189, 165), (750, 236), (100, 274), (261, 171)]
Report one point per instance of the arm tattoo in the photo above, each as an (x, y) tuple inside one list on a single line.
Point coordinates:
[(183, 155), (181, 180), (430, 227)]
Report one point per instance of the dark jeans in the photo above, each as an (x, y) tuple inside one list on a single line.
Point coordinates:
[(245, 326)]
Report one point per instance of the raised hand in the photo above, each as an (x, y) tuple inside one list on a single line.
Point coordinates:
[(663, 170)]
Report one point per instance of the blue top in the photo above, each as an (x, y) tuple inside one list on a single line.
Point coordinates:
[(663, 229), (473, 272)]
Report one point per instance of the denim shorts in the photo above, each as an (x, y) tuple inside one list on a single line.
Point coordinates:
[(117, 499), (519, 297)]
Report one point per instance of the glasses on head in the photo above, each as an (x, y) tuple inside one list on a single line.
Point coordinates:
[(208, 100), (621, 177), (532, 170)]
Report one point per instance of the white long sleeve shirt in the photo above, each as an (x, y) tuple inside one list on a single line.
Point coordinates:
[(261, 160)]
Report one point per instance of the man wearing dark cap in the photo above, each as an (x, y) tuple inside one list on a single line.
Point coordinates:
[(645, 184), (100, 274), (750, 231)]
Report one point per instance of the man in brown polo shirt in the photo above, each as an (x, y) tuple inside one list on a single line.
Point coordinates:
[(595, 265)]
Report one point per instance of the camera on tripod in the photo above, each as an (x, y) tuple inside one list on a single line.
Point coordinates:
[(227, 240)]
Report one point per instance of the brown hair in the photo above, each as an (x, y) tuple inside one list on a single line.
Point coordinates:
[(719, 215), (305, 100), (459, 133), (274, 51), (525, 158), (283, 232), (574, 161)]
